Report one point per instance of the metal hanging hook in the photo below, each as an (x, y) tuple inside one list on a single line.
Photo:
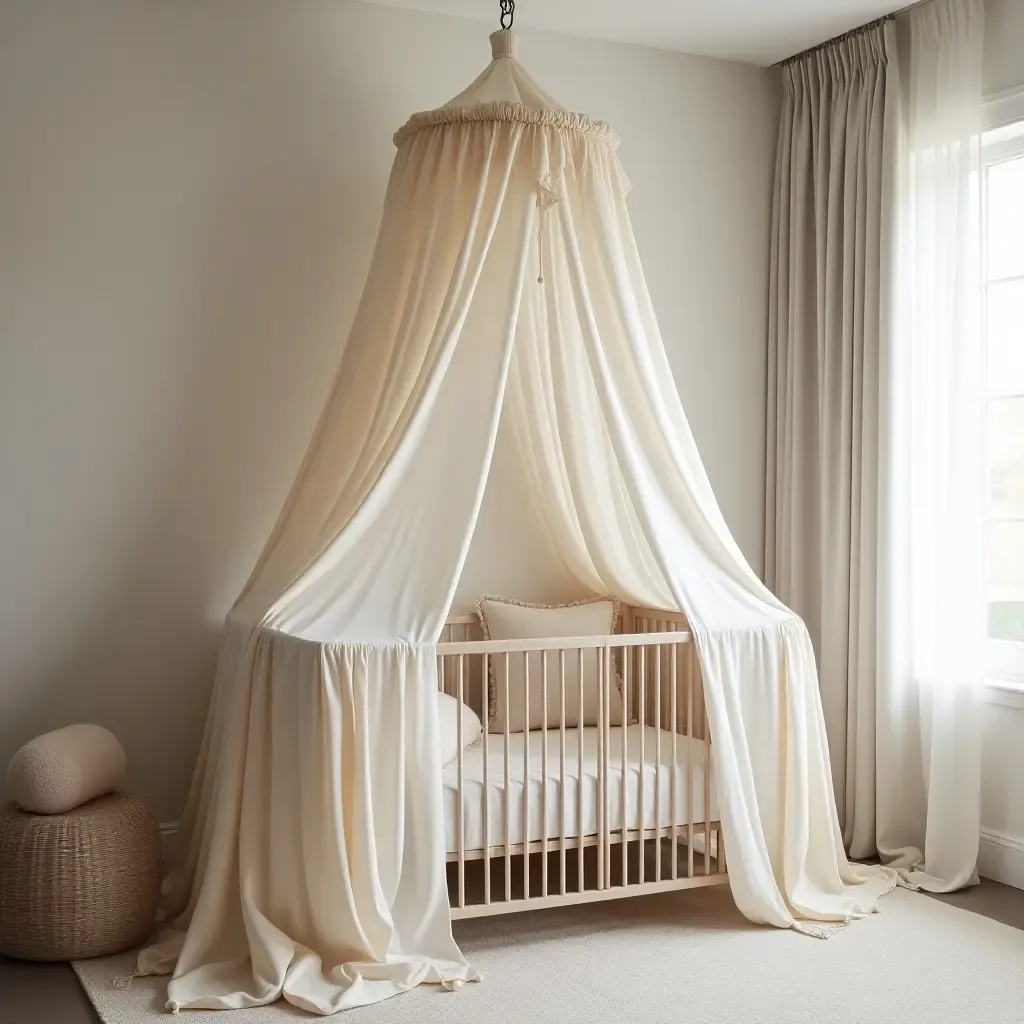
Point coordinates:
[(508, 10)]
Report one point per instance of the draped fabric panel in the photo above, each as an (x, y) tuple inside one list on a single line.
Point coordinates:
[(628, 503), (315, 869), (874, 497), (933, 621)]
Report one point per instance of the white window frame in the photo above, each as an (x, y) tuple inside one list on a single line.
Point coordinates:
[(1004, 661)]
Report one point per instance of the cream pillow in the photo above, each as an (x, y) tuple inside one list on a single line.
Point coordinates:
[(448, 726), (58, 771), (502, 619)]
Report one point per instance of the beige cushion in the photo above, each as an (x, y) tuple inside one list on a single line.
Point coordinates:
[(503, 619), (56, 772), (448, 726)]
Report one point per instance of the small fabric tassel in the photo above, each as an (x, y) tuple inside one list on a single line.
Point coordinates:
[(540, 245), (452, 986), (545, 200)]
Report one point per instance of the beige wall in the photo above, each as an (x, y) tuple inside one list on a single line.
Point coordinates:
[(189, 193), (1004, 45)]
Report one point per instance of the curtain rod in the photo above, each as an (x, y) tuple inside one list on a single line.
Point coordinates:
[(836, 39), (853, 32)]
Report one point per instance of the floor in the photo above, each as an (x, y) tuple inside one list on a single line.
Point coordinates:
[(36, 993)]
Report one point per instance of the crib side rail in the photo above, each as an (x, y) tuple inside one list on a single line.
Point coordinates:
[(574, 643)]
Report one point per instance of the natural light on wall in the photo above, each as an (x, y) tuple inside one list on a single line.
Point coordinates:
[(1003, 157)]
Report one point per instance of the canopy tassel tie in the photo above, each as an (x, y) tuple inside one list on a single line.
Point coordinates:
[(540, 248), (818, 931), (455, 984), (545, 200), (124, 984)]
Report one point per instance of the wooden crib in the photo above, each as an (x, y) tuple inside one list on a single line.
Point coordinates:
[(558, 815)]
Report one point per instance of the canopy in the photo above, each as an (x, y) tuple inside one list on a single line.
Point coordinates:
[(505, 271)]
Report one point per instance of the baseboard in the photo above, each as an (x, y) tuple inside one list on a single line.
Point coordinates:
[(169, 840), (1001, 857)]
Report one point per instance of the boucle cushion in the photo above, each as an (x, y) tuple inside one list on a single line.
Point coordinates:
[(448, 726), (504, 619), (56, 772)]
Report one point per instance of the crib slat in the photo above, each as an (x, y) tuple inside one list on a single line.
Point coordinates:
[(485, 676), (561, 770), (657, 762), (707, 786), (674, 699), (544, 774), (462, 790), (526, 775), (579, 776), (641, 809), (626, 658), (508, 794), (602, 824), (607, 690), (689, 771)]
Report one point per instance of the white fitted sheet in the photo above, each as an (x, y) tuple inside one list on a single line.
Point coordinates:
[(473, 788)]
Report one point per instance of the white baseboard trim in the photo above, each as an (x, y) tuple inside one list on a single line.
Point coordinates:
[(1008, 693), (1001, 857), (168, 839)]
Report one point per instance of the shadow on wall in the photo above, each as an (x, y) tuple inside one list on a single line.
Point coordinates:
[(193, 236)]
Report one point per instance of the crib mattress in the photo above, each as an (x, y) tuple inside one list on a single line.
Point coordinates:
[(580, 795)]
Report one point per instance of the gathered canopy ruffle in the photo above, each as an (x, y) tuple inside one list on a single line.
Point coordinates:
[(563, 120)]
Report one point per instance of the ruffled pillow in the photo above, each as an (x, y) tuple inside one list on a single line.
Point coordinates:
[(448, 726)]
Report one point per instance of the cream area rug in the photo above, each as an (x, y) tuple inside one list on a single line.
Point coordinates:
[(687, 957)]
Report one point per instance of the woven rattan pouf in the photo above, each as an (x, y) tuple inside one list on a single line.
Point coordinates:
[(81, 884)]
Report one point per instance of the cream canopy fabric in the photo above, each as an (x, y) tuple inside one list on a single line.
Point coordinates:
[(505, 268)]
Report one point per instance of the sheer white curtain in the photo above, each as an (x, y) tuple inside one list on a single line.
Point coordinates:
[(932, 597), (875, 454)]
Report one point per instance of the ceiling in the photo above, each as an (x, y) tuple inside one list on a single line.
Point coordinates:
[(754, 31)]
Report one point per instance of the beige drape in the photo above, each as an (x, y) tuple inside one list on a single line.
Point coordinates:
[(829, 328), (873, 507)]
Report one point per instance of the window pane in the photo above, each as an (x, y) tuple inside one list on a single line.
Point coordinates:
[(1005, 326), (1006, 581), (1006, 457), (1006, 218)]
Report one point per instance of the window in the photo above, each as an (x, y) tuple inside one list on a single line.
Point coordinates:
[(1003, 262)]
